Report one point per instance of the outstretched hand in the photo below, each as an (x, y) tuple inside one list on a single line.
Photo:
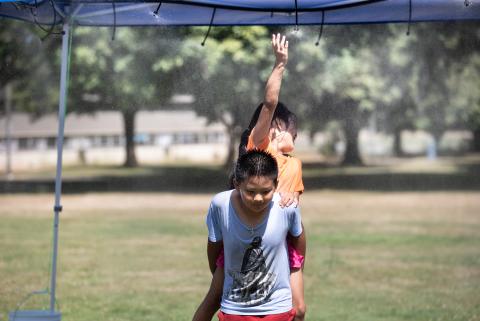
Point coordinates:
[(280, 49)]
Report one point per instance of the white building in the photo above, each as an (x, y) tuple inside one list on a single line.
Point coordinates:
[(161, 136)]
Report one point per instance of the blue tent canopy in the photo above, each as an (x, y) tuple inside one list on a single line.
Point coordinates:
[(236, 12)]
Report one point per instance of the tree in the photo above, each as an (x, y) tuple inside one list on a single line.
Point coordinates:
[(397, 109), (339, 80), (14, 41), (134, 71), (409, 81), (446, 58), (26, 66), (227, 76), (465, 112), (26, 74)]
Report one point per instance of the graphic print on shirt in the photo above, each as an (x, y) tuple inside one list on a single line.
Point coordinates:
[(253, 284)]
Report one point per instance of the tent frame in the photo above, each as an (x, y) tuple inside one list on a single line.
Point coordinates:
[(64, 71), (51, 314)]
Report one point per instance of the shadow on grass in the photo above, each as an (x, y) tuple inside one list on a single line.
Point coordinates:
[(191, 179), (155, 179), (395, 182)]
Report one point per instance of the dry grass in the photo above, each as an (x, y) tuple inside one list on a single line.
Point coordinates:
[(371, 256)]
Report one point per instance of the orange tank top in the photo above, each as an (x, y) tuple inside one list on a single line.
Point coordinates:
[(289, 167)]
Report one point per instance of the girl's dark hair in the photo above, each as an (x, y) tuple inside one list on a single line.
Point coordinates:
[(281, 113), (256, 163)]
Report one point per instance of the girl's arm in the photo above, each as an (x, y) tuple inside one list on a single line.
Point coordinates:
[(272, 89), (213, 251), (296, 276), (299, 243)]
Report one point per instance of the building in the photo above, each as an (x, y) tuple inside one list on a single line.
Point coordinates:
[(161, 136)]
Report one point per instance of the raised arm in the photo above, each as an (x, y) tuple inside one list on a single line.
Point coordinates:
[(272, 89)]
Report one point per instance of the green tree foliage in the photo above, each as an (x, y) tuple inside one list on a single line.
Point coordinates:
[(15, 40), (338, 80), (406, 81), (25, 62), (460, 44), (429, 67), (134, 71), (465, 111), (227, 75)]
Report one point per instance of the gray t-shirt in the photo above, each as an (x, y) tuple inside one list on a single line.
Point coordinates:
[(257, 273)]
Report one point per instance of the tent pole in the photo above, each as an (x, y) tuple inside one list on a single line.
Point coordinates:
[(58, 179)]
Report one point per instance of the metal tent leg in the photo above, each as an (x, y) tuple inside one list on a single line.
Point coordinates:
[(58, 179)]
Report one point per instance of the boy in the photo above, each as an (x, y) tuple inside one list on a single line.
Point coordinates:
[(252, 228)]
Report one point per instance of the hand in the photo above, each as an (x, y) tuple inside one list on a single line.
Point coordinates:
[(280, 49), (288, 199), (296, 198)]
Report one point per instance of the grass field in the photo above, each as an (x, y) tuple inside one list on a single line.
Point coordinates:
[(371, 256)]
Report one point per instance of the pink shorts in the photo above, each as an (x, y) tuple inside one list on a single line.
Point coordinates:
[(286, 316), (294, 257)]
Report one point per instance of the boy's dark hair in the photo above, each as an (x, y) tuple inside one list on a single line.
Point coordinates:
[(255, 163), (282, 113)]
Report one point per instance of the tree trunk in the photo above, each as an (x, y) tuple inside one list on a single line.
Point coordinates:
[(129, 127), (232, 148), (476, 140), (397, 143), (352, 130)]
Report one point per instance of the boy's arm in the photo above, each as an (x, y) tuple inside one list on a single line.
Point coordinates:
[(272, 89), (213, 251)]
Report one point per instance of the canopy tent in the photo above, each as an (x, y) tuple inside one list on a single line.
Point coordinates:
[(210, 13), (236, 12)]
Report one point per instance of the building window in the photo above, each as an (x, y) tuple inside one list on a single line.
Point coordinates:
[(116, 141), (164, 140), (142, 139), (185, 138), (51, 142), (215, 137), (26, 143), (104, 141)]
